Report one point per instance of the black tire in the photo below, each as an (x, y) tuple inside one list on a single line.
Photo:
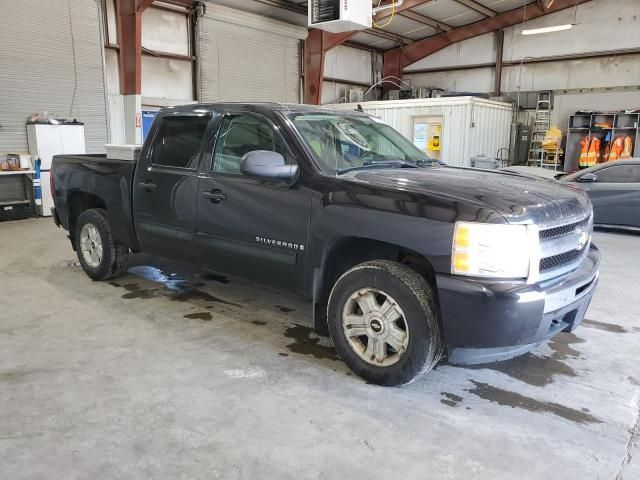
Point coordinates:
[(115, 257), (416, 299)]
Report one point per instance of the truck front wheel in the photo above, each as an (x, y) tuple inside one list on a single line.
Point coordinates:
[(100, 256), (383, 321)]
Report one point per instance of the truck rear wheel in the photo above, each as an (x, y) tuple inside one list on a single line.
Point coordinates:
[(383, 321), (100, 256)]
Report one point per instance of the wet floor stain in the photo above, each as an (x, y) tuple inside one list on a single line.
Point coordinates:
[(450, 399), (307, 342), (186, 294), (258, 322), (17, 374), (607, 327), (538, 370), (215, 277), (172, 286), (170, 281), (516, 400), (561, 346), (206, 316), (136, 291), (285, 309)]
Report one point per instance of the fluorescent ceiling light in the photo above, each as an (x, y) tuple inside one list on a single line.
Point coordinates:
[(555, 28)]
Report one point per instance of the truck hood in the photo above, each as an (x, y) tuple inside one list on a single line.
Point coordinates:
[(519, 199)]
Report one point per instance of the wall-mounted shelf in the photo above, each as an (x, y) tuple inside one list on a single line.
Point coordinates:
[(582, 124)]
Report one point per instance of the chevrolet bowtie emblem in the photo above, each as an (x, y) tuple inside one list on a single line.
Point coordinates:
[(583, 239)]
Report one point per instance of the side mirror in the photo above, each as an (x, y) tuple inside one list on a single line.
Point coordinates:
[(269, 165), (588, 178)]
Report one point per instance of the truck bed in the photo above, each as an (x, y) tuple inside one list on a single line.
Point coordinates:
[(107, 179)]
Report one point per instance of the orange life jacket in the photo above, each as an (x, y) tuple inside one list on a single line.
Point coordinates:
[(590, 151), (616, 149), (628, 148)]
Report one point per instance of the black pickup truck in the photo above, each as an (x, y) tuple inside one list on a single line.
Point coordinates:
[(403, 257)]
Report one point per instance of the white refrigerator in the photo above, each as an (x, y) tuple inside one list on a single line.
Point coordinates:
[(45, 141)]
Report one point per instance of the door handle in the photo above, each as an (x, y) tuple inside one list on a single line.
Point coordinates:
[(216, 196), (148, 186)]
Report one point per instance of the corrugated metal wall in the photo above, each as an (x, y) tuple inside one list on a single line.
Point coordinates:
[(243, 57), (37, 68), (460, 140)]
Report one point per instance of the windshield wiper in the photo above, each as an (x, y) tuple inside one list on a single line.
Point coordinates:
[(385, 164)]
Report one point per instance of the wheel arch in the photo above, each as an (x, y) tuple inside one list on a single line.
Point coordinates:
[(78, 202), (344, 253)]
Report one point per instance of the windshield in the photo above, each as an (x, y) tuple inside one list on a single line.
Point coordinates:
[(341, 143)]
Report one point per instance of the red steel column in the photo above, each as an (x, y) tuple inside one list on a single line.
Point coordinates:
[(129, 20), (391, 67), (317, 44)]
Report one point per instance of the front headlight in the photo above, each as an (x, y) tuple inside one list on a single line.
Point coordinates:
[(494, 250)]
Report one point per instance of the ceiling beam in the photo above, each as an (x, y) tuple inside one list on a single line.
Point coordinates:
[(406, 5), (443, 27), (478, 7), (401, 39), (142, 5), (545, 4), (395, 60)]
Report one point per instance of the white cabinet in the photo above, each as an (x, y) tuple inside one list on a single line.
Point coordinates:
[(45, 141)]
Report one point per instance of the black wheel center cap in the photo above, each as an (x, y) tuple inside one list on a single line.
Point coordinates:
[(376, 326)]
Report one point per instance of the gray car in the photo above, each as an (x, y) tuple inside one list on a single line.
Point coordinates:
[(614, 189)]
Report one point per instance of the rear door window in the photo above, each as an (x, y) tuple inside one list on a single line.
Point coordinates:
[(177, 142), (619, 174)]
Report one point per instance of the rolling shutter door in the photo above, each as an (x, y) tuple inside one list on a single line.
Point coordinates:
[(37, 69), (247, 58)]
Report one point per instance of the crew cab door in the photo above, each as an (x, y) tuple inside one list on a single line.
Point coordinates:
[(250, 227), (166, 186), (616, 195)]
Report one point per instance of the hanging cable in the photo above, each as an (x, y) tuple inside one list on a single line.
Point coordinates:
[(393, 12), (75, 63)]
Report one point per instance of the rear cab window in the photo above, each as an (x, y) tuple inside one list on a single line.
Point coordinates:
[(177, 141)]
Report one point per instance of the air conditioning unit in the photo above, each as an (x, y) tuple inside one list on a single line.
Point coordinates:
[(423, 92), (404, 94), (338, 16), (354, 95)]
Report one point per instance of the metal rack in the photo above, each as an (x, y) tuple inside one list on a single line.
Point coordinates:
[(16, 192)]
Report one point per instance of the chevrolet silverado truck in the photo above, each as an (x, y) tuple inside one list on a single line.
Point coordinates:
[(405, 259)]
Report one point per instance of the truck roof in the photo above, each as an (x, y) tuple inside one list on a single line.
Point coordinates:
[(257, 106)]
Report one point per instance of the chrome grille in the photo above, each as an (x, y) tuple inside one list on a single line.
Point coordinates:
[(556, 261), (564, 247), (551, 233)]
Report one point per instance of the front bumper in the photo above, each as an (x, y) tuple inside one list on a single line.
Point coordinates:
[(487, 322)]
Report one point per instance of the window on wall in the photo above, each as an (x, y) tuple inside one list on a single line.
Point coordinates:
[(177, 143), (167, 56)]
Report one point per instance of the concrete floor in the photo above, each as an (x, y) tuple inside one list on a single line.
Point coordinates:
[(166, 374)]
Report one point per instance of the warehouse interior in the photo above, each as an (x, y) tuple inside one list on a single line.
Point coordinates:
[(177, 371)]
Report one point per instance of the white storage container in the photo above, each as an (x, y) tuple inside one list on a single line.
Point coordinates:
[(122, 152), (469, 126)]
